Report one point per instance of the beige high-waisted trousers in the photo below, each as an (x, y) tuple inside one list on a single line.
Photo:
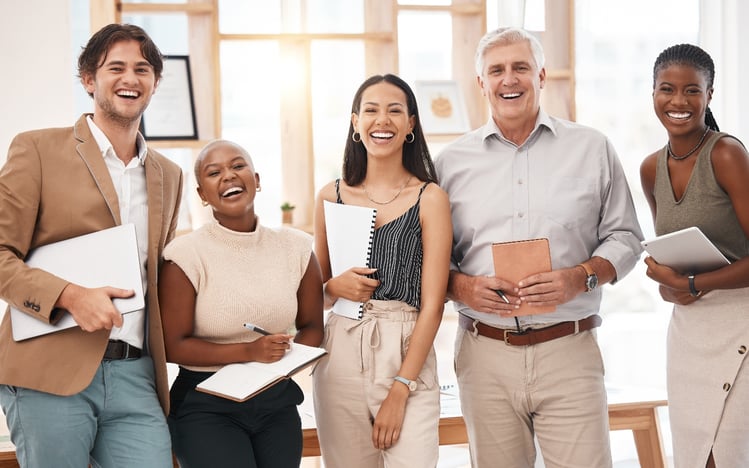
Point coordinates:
[(352, 381)]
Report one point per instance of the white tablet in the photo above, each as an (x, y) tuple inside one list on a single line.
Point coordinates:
[(686, 251)]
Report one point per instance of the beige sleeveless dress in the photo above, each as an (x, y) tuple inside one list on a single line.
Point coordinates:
[(707, 373)]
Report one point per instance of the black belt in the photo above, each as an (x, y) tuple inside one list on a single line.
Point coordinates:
[(117, 350)]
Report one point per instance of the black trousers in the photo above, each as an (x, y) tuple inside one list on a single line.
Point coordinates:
[(209, 431)]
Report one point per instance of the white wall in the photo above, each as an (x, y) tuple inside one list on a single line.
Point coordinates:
[(36, 69), (37, 72)]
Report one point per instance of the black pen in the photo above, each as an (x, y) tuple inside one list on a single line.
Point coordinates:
[(502, 295), (255, 328), (507, 301)]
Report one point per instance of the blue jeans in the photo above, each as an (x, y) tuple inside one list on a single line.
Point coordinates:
[(115, 422)]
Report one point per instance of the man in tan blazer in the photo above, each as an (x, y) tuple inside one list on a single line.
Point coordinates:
[(97, 393)]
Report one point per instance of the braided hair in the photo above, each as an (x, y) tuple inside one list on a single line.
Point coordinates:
[(691, 56)]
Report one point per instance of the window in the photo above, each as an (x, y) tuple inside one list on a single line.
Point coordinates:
[(616, 46)]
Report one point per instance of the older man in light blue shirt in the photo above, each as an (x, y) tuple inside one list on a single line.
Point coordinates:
[(528, 175)]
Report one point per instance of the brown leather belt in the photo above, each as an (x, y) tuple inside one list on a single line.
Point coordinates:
[(117, 350), (529, 336)]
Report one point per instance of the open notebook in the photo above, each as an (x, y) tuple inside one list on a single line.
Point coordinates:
[(104, 258), (242, 381)]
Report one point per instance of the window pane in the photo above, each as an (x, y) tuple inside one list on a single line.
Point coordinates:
[(425, 45), (335, 16), (615, 47), (190, 201), (512, 14), (250, 104), (249, 17), (168, 31), (333, 88), (614, 66)]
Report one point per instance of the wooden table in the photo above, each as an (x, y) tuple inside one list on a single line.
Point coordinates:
[(640, 417)]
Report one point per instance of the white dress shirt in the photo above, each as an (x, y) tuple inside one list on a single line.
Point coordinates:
[(130, 183)]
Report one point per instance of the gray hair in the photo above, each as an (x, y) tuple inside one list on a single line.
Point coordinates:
[(508, 36)]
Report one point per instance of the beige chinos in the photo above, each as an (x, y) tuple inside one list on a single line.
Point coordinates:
[(554, 389), (352, 381)]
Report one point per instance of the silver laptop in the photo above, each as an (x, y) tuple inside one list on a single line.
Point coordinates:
[(104, 258)]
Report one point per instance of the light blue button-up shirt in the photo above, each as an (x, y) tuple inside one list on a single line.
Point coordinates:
[(564, 183)]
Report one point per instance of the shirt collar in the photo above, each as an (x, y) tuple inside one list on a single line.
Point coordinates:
[(105, 146), (542, 120)]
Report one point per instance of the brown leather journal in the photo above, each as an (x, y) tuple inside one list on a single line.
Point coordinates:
[(516, 260)]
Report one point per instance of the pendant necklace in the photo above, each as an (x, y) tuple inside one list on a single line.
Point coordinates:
[(389, 201), (679, 158)]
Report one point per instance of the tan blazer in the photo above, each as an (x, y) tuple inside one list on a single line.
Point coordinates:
[(55, 185)]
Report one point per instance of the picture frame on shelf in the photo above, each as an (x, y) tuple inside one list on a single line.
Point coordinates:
[(442, 108), (171, 113)]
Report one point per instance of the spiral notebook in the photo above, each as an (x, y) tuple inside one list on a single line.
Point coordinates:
[(349, 230)]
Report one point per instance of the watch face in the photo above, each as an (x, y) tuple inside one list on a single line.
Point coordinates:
[(591, 282), (411, 384)]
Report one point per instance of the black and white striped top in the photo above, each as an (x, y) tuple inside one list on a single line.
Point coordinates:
[(397, 253)]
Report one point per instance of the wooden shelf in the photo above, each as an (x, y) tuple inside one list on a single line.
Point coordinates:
[(191, 8), (169, 144)]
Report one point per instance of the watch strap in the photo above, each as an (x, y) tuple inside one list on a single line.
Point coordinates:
[(588, 270), (693, 291), (591, 278), (408, 383)]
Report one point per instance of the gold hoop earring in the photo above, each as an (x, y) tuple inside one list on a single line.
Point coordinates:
[(356, 137), (413, 137)]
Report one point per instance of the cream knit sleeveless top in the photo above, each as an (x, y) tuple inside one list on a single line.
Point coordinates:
[(242, 277)]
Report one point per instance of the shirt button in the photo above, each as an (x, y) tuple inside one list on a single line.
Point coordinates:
[(726, 386), (521, 214), (742, 349), (520, 181)]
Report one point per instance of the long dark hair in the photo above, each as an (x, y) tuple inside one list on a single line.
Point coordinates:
[(691, 56), (416, 158)]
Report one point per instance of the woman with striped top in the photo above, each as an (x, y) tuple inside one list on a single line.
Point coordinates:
[(376, 393)]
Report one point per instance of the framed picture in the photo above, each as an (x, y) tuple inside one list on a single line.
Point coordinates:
[(171, 113), (442, 107)]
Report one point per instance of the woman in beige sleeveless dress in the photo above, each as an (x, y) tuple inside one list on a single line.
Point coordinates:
[(701, 178)]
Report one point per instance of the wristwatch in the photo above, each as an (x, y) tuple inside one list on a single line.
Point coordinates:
[(591, 280), (408, 383)]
